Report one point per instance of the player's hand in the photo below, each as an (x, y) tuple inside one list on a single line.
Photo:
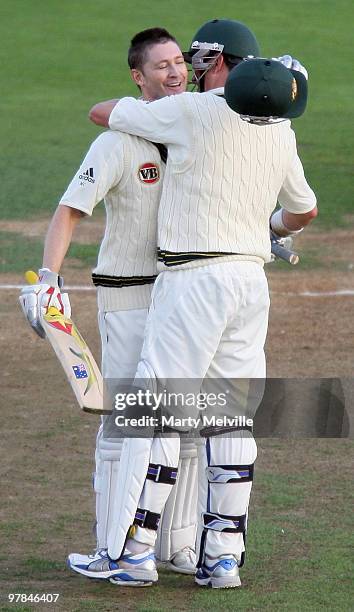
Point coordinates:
[(293, 64), (286, 242), (281, 248), (35, 299)]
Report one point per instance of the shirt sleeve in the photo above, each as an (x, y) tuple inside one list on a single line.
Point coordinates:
[(164, 121), (99, 172), (296, 195)]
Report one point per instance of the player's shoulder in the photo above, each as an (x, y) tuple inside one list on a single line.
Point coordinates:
[(108, 138), (182, 98), (206, 97), (113, 145), (114, 142), (189, 100), (284, 125)]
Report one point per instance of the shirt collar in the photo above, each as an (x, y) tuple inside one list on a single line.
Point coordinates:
[(218, 91)]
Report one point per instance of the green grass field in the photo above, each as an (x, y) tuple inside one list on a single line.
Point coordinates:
[(299, 545), (58, 58)]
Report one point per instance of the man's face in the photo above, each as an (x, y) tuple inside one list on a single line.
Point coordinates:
[(164, 73)]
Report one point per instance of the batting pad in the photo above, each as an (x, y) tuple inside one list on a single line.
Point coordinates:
[(133, 465), (105, 479), (225, 482), (164, 454), (178, 521)]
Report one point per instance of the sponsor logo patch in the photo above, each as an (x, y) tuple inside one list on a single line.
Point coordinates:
[(87, 176), (80, 371), (149, 173), (293, 90)]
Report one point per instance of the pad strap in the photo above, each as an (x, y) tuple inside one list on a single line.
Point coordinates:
[(229, 473), (147, 519), (224, 522), (162, 473)]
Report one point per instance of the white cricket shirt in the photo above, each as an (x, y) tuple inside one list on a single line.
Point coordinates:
[(223, 176), (126, 172)]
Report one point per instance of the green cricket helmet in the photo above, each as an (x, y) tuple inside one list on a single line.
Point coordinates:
[(230, 38), (226, 36), (264, 88)]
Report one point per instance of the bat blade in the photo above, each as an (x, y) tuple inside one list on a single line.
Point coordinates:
[(76, 359)]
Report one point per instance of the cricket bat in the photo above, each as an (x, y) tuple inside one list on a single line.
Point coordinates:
[(282, 253), (75, 357)]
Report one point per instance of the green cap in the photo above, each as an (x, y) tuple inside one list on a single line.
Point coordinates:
[(236, 37), (266, 88)]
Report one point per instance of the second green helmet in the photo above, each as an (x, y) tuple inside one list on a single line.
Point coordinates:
[(237, 39)]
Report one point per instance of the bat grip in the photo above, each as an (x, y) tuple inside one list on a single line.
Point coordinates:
[(283, 253)]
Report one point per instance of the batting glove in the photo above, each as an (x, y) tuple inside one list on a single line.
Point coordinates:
[(284, 241), (36, 299), (293, 64)]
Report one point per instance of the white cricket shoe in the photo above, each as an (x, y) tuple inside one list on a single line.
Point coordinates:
[(130, 570), (219, 574), (183, 562), (96, 565)]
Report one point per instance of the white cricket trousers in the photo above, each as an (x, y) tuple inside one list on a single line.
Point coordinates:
[(211, 321), (122, 334)]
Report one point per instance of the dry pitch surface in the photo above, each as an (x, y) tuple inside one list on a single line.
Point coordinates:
[(47, 444)]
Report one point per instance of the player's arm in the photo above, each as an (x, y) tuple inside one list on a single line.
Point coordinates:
[(99, 172), (297, 200), (159, 121), (296, 221), (284, 223), (59, 236), (37, 298), (162, 121), (100, 113)]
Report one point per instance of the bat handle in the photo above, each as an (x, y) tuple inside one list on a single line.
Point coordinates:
[(283, 253), (31, 277)]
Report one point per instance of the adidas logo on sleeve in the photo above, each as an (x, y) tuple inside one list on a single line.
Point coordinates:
[(87, 176)]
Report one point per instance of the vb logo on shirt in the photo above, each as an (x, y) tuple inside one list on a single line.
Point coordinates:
[(149, 173)]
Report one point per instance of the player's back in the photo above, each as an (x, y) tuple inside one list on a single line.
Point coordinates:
[(232, 174), (223, 175)]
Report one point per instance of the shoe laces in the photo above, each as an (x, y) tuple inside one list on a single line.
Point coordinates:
[(188, 550), (99, 552)]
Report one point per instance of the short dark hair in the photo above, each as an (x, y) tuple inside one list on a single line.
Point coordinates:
[(231, 61), (141, 43)]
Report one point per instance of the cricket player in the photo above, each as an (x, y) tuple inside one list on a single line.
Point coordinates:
[(127, 172), (209, 315)]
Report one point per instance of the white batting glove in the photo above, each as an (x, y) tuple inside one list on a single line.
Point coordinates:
[(285, 241), (293, 64), (36, 299)]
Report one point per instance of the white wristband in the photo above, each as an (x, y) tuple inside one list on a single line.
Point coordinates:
[(278, 226)]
